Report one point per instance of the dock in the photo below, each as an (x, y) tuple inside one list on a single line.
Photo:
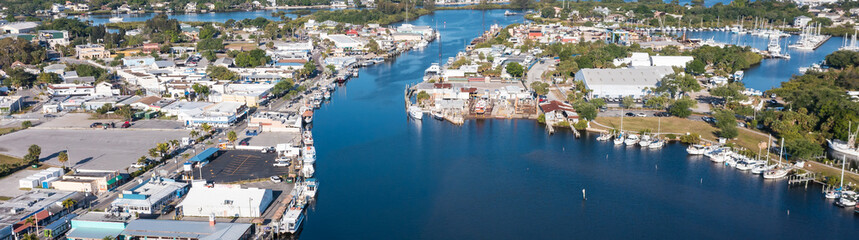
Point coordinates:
[(801, 178)]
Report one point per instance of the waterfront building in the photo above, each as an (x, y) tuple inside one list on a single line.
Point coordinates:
[(343, 42), (170, 229), (617, 83), (275, 122), (150, 196), (225, 201)]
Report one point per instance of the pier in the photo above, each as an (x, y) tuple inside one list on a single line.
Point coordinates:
[(801, 178)]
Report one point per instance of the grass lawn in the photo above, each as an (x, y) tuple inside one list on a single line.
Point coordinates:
[(7, 130), (679, 126), (5, 159)]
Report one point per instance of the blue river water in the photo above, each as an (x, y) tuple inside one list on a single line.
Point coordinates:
[(383, 176)]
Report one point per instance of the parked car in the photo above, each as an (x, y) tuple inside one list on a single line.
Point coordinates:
[(244, 142), (281, 164), (139, 165), (96, 125), (603, 109), (642, 115), (126, 124), (267, 150), (276, 179), (662, 114), (251, 133), (629, 114)]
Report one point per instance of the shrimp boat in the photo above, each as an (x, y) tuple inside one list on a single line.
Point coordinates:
[(310, 188), (416, 112)]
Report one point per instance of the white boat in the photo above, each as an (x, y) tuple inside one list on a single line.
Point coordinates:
[(308, 155), (619, 139), (310, 188), (745, 165), (604, 137), (509, 13), (421, 45), (326, 95), (658, 143), (416, 112), (432, 71), (738, 75), (761, 168), (307, 171), (645, 141), (631, 140), (696, 149), (292, 219), (307, 138), (845, 150), (115, 19), (832, 194), (779, 171), (438, 115), (847, 199)]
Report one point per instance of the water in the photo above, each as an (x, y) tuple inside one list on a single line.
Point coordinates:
[(385, 177), (771, 72)]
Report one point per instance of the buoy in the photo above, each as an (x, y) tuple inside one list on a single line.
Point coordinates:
[(702, 180)]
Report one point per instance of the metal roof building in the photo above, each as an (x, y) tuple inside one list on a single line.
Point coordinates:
[(616, 83), (226, 201), (170, 229)]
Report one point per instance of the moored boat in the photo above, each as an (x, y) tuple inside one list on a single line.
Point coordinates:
[(416, 112)]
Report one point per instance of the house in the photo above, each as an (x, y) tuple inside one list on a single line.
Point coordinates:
[(70, 89), (91, 51), (617, 83), (556, 111), (225, 201), (224, 62), (96, 103), (150, 103), (19, 27), (55, 68), (801, 21), (151, 47), (150, 196)]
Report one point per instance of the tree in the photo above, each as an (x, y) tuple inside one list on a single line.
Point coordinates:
[(141, 160), (221, 73), (194, 134), (586, 110), (727, 124), (677, 83), (515, 70), (49, 78), (682, 108), (26, 124), (69, 203), (33, 153), (598, 102), (540, 88), (232, 136), (282, 86), (20, 78), (63, 157), (730, 92), (373, 47), (29, 236), (201, 90), (331, 68), (209, 55), (627, 102), (210, 44), (521, 4), (696, 67), (547, 12), (842, 59), (174, 143), (208, 31), (206, 127), (125, 112)]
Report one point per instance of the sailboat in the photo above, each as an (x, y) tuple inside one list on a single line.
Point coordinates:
[(763, 167), (780, 171), (620, 137), (657, 143), (833, 194)]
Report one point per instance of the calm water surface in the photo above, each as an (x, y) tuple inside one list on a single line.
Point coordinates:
[(385, 177)]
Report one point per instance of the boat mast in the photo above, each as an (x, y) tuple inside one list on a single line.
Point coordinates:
[(843, 161), (781, 152)]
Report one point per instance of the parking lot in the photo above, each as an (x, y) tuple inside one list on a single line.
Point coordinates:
[(101, 149), (9, 184), (240, 165)]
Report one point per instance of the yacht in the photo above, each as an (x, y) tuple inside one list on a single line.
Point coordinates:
[(307, 138), (115, 19), (696, 149), (658, 143), (310, 188), (779, 171), (421, 45), (745, 165), (738, 75), (292, 219), (438, 115), (847, 199), (631, 140), (326, 95), (604, 137), (309, 155), (416, 112), (761, 168), (645, 141), (432, 71)]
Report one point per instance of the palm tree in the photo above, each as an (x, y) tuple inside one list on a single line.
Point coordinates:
[(232, 136), (163, 148), (206, 127), (194, 134), (33, 222), (69, 203), (174, 143), (29, 237), (63, 157)]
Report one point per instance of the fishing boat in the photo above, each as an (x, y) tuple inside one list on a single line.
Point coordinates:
[(307, 138), (421, 45), (696, 149), (310, 188), (326, 95), (416, 112), (307, 171), (846, 150), (631, 140), (645, 141), (308, 155)]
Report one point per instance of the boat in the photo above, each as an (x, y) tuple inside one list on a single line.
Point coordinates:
[(115, 19), (846, 150), (509, 13), (421, 45), (480, 107), (307, 138), (432, 71), (416, 112), (631, 140), (309, 155), (779, 171), (696, 149), (847, 199), (832, 194), (658, 143), (604, 137), (619, 139), (438, 115), (745, 165), (292, 218), (307, 171), (326, 95), (645, 141), (308, 119), (310, 188), (738, 75), (810, 38)]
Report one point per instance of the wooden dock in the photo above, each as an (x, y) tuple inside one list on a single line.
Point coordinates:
[(802, 178)]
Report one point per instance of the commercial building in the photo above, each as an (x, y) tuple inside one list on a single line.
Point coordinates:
[(98, 225), (151, 229), (54, 37), (225, 201), (45, 205), (275, 122), (19, 27), (93, 181), (150, 196), (344, 42), (91, 51), (222, 114), (617, 83), (10, 104)]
